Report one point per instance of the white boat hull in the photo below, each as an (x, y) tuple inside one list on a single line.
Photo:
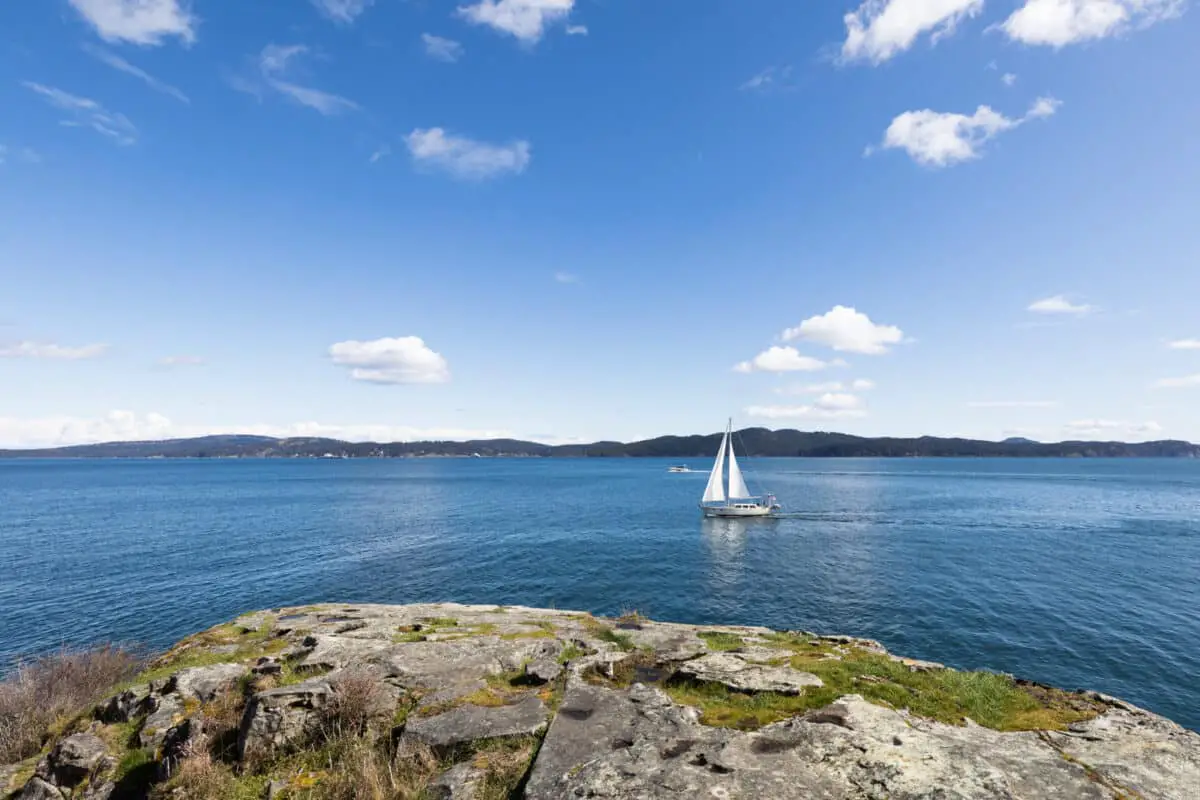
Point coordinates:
[(737, 510)]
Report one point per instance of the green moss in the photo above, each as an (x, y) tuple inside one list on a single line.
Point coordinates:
[(193, 655), (504, 763), (440, 622), (571, 652), (720, 640), (405, 636), (131, 761), (949, 696), (538, 633)]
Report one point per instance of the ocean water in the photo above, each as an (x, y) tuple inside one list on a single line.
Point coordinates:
[(1078, 573)]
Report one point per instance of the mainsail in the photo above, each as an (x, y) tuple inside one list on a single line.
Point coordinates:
[(737, 485), (715, 491)]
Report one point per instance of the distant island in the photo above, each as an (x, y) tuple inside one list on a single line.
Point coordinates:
[(754, 441)]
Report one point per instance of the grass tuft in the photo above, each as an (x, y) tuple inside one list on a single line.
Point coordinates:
[(722, 641)]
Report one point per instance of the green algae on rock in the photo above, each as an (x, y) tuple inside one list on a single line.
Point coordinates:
[(452, 701)]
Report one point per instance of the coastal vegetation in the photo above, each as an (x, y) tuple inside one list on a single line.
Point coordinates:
[(756, 442)]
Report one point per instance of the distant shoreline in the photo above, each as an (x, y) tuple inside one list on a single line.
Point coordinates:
[(756, 442)]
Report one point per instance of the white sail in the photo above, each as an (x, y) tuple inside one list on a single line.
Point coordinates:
[(737, 484), (715, 491)]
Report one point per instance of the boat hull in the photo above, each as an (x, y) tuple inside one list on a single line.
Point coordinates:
[(739, 510)]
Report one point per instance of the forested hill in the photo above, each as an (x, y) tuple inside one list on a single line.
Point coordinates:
[(752, 441)]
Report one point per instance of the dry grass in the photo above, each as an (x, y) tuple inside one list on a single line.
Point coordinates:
[(359, 705), (360, 770), (44, 693)]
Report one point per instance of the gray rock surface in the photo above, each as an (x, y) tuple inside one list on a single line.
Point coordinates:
[(38, 789), (74, 758), (454, 679), (283, 717), (467, 724), (733, 670), (205, 683)]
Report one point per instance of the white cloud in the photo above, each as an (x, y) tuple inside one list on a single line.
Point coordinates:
[(1178, 383), (577, 30), (845, 329), (467, 158), (804, 412), (1058, 23), (838, 401), (116, 62), (383, 151), (404, 359), (781, 359), (767, 79), (1184, 344), (52, 351), (442, 49), (939, 139), (527, 20), (1109, 427), (87, 113), (566, 277), (59, 431), (880, 29), (146, 22), (1059, 304), (1008, 78), (181, 361), (857, 385), (343, 11), (1013, 404), (275, 65)]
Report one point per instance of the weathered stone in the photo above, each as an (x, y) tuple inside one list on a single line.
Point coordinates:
[(543, 670), (165, 711), (74, 758), (467, 724), (38, 789), (280, 718), (178, 741), (460, 782), (1136, 751), (123, 706), (205, 683), (917, 665), (100, 791), (733, 670)]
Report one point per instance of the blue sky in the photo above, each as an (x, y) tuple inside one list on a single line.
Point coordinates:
[(572, 219)]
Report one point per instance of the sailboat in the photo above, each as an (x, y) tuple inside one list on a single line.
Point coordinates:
[(733, 499)]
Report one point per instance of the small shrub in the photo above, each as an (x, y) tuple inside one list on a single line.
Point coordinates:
[(47, 692), (198, 777), (361, 770), (359, 704)]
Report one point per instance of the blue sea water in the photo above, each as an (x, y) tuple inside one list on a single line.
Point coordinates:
[(1078, 573)]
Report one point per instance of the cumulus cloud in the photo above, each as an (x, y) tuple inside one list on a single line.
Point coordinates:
[(838, 401), (381, 152), (577, 30), (1058, 23), (404, 359), (845, 329), (467, 158), (88, 113), (781, 359), (804, 412), (116, 62), (1178, 383), (1012, 404), (527, 20), (441, 49), (769, 78), (940, 139), (1109, 427), (1008, 79), (55, 352), (343, 11), (115, 426), (1059, 304), (1184, 344), (145, 22), (881, 29)]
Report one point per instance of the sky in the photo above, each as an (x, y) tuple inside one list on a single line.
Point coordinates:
[(572, 220)]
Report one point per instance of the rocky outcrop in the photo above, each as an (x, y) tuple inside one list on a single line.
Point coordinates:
[(463, 697)]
